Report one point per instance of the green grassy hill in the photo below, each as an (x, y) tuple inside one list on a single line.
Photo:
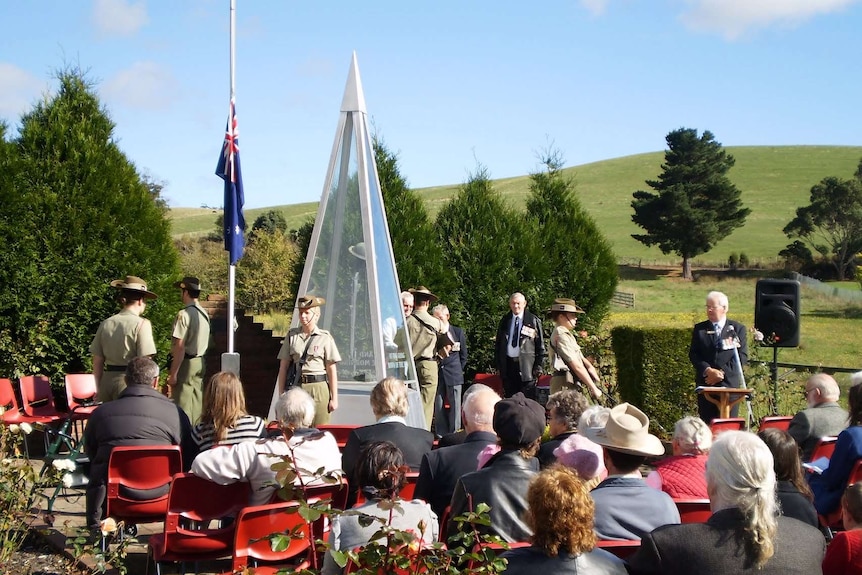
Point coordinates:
[(774, 180)]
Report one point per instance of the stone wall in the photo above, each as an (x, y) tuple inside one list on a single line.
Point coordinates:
[(257, 349)]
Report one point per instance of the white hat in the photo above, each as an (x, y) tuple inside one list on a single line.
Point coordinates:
[(627, 431)]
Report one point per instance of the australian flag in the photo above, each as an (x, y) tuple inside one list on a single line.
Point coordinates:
[(228, 169)]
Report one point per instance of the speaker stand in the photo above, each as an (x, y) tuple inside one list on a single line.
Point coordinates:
[(773, 375)]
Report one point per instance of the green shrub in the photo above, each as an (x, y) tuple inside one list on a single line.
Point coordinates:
[(732, 261), (654, 373)]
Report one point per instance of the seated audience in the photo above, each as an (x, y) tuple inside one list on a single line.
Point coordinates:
[(593, 416), (389, 404), (584, 457), (745, 534), (829, 486), (442, 467), (141, 415), (224, 419), (251, 461), (683, 475), (844, 553), (626, 507), (380, 472), (458, 437), (822, 418), (564, 410), (794, 496), (560, 515), (502, 482)]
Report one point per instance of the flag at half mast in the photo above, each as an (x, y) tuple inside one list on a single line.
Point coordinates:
[(228, 169)]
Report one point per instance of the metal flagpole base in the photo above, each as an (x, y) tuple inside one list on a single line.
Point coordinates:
[(230, 362)]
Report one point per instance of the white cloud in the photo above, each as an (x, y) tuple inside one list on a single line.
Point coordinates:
[(732, 18), (119, 17), (595, 7), (18, 90), (145, 85)]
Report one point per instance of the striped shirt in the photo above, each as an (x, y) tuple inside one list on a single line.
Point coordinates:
[(246, 428)]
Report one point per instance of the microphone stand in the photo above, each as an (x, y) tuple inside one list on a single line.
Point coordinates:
[(738, 364)]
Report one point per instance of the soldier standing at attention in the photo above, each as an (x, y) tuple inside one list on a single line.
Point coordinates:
[(571, 369), (122, 337), (312, 350), (189, 342), (424, 331)]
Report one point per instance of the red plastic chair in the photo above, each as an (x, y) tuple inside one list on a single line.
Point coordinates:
[(139, 480), (81, 397), (193, 504), (622, 549), (12, 412), (719, 425), (37, 399), (492, 380), (254, 525), (832, 521), (406, 493), (341, 432), (825, 448), (781, 422), (693, 510)]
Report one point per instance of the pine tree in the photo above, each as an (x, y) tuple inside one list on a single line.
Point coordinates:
[(695, 205)]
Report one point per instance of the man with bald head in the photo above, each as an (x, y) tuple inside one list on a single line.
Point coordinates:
[(823, 416), (442, 467)]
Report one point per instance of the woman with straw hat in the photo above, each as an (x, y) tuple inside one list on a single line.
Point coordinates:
[(121, 337), (571, 369)]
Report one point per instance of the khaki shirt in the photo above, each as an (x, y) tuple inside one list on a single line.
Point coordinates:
[(193, 327), (423, 341), (564, 349), (321, 352), (122, 337)]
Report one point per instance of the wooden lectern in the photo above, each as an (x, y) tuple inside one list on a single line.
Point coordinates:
[(724, 397)]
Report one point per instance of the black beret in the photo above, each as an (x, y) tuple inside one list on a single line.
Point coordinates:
[(519, 420)]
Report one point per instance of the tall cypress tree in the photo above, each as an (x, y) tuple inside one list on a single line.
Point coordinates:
[(695, 205), (76, 216)]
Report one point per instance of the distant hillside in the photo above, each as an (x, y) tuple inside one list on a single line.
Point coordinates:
[(774, 180)]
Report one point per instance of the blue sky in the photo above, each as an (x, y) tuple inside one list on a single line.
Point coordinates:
[(449, 84)]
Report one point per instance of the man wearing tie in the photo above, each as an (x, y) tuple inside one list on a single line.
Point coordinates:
[(520, 349), (712, 353), (450, 377)]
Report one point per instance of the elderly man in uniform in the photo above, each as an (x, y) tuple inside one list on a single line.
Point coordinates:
[(519, 349), (716, 344), (189, 342), (314, 354), (424, 331), (450, 378), (122, 337)]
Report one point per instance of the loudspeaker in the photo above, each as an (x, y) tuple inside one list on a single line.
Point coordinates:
[(776, 312)]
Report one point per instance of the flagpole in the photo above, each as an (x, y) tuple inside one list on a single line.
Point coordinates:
[(231, 275)]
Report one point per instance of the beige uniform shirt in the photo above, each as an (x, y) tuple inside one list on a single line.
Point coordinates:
[(321, 350), (122, 337), (564, 348), (193, 327), (423, 341)]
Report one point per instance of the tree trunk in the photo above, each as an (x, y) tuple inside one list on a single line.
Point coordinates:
[(686, 268)]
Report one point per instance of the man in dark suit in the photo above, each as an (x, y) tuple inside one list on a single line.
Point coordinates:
[(519, 349), (450, 377), (442, 467), (718, 351), (389, 404)]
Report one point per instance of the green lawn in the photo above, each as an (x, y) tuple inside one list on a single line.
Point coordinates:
[(774, 180)]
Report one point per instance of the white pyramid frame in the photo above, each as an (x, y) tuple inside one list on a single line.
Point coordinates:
[(374, 309)]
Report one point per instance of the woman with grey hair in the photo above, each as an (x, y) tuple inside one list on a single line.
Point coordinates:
[(744, 533), (683, 475), (308, 448)]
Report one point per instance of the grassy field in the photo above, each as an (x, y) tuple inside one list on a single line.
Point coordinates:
[(774, 180)]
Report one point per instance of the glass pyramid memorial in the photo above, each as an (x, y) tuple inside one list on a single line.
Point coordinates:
[(350, 260)]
